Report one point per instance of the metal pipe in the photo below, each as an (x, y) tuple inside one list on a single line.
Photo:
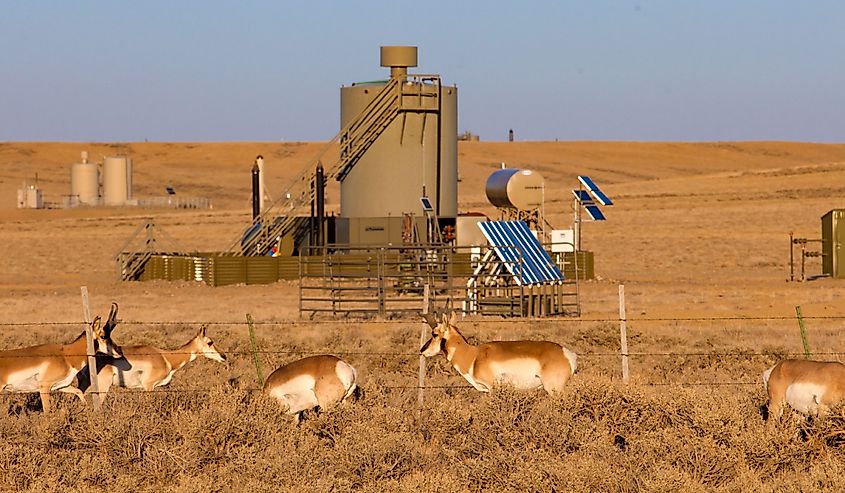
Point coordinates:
[(262, 186), (791, 258), (320, 182), (256, 193), (439, 141)]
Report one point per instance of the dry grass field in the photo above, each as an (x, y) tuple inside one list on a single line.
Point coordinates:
[(698, 236)]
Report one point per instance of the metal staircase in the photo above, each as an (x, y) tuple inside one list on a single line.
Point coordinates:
[(413, 94), (137, 250)]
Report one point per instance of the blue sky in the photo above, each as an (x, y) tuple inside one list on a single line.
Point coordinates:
[(569, 70)]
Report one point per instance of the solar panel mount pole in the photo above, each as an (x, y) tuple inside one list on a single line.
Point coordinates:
[(577, 225)]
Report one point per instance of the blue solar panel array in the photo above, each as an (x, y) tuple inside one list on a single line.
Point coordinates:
[(520, 252)]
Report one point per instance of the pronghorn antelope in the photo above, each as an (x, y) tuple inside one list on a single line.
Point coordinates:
[(524, 365), (809, 387), (50, 367), (147, 367), (316, 381)]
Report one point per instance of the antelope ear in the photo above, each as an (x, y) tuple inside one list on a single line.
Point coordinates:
[(96, 327), (453, 319), (202, 331)]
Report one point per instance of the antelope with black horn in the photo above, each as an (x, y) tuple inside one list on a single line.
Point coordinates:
[(523, 365), (148, 367), (53, 367)]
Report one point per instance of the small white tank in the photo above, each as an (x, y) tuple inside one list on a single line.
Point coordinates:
[(115, 181), (85, 182), (515, 189)]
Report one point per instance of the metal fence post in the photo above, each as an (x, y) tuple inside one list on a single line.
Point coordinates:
[(254, 344), (804, 339)]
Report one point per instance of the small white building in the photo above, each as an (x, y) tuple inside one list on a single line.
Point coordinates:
[(30, 197)]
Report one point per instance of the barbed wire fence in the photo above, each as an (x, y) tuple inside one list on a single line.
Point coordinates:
[(552, 323)]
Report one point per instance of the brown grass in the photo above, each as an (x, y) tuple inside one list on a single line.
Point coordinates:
[(698, 236), (212, 431), (600, 436)]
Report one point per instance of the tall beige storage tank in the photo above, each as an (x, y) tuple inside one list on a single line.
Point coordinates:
[(85, 183), (115, 181), (404, 163)]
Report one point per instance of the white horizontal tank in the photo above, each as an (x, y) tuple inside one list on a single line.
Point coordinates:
[(513, 188)]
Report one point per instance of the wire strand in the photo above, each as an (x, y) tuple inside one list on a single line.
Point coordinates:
[(509, 321)]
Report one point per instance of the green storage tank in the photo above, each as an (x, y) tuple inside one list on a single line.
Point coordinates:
[(833, 239)]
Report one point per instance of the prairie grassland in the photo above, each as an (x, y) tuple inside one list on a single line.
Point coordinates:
[(690, 420), (698, 236)]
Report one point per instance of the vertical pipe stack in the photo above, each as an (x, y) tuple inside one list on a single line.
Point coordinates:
[(320, 181), (256, 192)]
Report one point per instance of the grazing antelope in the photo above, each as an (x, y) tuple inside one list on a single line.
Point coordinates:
[(147, 367), (524, 365), (809, 387), (48, 367), (316, 381)]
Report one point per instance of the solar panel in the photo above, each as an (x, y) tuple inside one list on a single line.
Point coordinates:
[(520, 252), (582, 196), (594, 212), (426, 204), (601, 198)]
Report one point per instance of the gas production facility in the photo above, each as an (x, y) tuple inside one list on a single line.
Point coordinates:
[(398, 242)]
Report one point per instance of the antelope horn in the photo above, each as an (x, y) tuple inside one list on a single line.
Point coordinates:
[(430, 319), (112, 320), (113, 312)]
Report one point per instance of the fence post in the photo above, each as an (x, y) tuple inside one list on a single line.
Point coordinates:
[(89, 350), (254, 346), (623, 334), (803, 333), (423, 336)]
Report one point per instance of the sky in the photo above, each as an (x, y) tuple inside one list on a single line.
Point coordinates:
[(213, 70)]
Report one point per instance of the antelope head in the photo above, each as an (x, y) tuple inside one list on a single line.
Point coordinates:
[(103, 343), (440, 333), (204, 346)]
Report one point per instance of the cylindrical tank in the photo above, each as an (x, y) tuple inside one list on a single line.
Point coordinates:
[(85, 182), (515, 189), (398, 58), (404, 163), (115, 181)]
